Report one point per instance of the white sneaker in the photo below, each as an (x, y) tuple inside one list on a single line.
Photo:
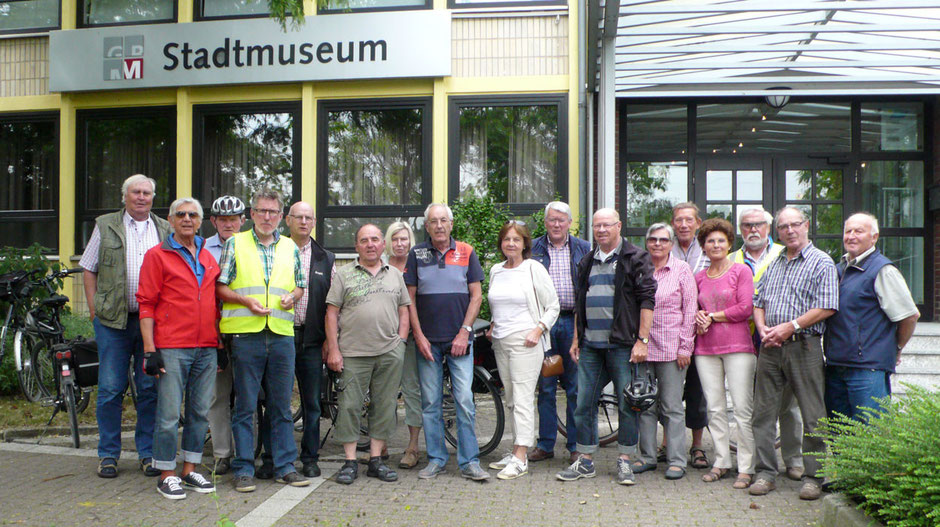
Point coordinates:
[(515, 468), (501, 464)]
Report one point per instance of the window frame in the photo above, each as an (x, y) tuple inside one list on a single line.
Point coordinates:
[(80, 15), (199, 15), (455, 103), (82, 212), (364, 212), (452, 4), (428, 4), (30, 30), (21, 216)]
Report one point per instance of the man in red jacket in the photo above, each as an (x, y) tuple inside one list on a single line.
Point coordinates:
[(179, 326)]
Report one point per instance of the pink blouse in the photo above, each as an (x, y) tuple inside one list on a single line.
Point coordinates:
[(732, 293), (673, 330)]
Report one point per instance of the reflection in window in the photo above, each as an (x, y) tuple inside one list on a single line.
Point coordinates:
[(894, 192), (245, 152), (509, 151), (341, 232), (895, 126), (653, 189), (657, 128), (36, 14), (220, 8), (343, 5), (99, 12), (756, 127), (28, 179), (375, 157), (907, 253)]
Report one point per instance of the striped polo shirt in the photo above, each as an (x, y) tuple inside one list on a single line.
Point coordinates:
[(599, 301), (442, 280)]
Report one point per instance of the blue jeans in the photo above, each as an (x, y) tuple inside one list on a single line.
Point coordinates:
[(116, 348), (562, 333), (189, 371), (847, 389), (431, 377), (595, 368), (271, 356)]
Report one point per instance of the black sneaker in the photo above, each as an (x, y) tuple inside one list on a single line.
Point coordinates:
[(265, 471), (107, 468), (311, 469), (146, 466), (293, 479), (197, 482), (348, 473), (378, 469), (170, 488), (244, 484), (581, 468)]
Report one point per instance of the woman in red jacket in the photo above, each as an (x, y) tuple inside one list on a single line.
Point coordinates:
[(179, 325)]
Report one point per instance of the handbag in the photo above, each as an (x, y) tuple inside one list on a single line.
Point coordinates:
[(552, 366)]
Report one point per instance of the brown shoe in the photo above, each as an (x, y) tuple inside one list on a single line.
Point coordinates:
[(795, 473), (409, 460), (540, 455), (573, 456), (761, 487), (810, 490)]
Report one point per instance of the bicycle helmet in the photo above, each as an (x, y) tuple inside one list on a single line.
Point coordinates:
[(643, 391), (227, 206)]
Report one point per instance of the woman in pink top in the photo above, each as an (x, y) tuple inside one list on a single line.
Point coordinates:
[(724, 350)]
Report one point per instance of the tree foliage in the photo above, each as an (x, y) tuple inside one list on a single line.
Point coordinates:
[(477, 221)]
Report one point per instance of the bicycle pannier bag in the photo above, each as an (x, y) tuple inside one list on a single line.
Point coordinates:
[(85, 363)]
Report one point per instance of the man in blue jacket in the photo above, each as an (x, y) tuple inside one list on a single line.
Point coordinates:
[(560, 253)]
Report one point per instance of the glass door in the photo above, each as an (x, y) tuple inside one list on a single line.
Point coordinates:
[(726, 187), (815, 186)]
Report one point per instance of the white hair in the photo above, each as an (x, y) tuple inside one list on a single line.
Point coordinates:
[(768, 217), (872, 220), (182, 201), (661, 226), (559, 206), (790, 207), (137, 178), (427, 211)]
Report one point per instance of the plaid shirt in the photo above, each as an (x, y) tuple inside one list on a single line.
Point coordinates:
[(673, 331), (300, 308), (560, 272), (227, 261), (792, 287)]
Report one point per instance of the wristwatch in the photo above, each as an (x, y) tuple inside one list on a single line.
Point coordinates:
[(644, 340), (468, 328), (796, 325)]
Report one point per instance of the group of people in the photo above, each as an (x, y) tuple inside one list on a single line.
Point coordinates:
[(220, 319)]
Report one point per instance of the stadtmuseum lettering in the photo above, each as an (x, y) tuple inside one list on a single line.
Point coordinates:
[(239, 55)]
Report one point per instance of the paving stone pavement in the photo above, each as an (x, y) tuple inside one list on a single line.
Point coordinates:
[(57, 486)]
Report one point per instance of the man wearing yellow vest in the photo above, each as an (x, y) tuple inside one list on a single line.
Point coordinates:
[(758, 251), (261, 279)]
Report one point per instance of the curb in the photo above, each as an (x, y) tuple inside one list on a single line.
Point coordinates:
[(8, 436), (839, 511)]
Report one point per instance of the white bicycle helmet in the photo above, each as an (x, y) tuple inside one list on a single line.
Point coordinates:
[(227, 206)]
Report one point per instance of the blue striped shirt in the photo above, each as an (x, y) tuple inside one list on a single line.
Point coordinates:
[(599, 301), (792, 287)]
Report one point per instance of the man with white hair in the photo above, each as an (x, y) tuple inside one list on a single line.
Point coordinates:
[(757, 253), (112, 261), (876, 318)]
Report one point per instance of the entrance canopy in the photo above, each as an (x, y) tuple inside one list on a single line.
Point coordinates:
[(747, 47)]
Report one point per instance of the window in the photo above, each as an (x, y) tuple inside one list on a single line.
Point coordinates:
[(657, 128), (514, 148), (758, 128), (214, 9), (121, 12), (17, 16), (502, 3), (116, 144), (241, 149), (893, 127), (374, 165), (342, 6), (29, 173)]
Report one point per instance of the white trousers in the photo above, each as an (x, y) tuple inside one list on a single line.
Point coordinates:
[(738, 370), (519, 369)]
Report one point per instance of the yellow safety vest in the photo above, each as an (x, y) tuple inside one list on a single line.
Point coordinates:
[(774, 252), (249, 281)]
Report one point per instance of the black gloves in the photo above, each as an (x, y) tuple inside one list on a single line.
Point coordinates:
[(153, 363)]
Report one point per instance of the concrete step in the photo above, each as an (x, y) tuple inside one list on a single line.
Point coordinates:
[(920, 361)]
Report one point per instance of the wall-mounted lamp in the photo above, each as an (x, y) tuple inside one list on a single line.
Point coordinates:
[(777, 101)]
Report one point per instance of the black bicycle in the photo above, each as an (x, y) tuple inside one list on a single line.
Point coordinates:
[(15, 291)]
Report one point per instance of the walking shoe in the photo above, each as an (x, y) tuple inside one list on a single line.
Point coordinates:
[(761, 487), (170, 488), (475, 472), (409, 460), (293, 479), (244, 484), (146, 466), (430, 471), (379, 470), (348, 472), (581, 468), (675, 473), (223, 466), (795, 473), (365, 456), (624, 472), (197, 482), (811, 490), (311, 469), (107, 468), (265, 471), (501, 464), (515, 468), (573, 456), (540, 455)]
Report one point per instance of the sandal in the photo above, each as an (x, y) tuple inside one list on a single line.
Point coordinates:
[(639, 466), (743, 481), (699, 459), (714, 475), (661, 454)]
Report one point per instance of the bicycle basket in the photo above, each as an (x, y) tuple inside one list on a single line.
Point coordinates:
[(14, 285), (85, 363)]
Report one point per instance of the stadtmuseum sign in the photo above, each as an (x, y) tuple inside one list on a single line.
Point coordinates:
[(326, 47)]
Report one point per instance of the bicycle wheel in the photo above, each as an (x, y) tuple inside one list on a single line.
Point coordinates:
[(68, 391), (607, 417), (490, 415), (43, 365), (29, 382)]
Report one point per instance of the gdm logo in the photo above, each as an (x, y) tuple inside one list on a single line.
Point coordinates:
[(124, 58)]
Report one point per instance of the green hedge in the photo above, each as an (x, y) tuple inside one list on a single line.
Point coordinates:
[(890, 464)]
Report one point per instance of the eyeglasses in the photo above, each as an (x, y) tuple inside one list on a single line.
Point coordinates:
[(787, 226), (516, 222), (266, 212), (605, 226), (557, 221), (750, 226), (302, 219), (654, 240), (438, 221), (183, 213)]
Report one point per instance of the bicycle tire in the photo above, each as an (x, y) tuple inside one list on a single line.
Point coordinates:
[(490, 415), (28, 381), (607, 417), (43, 365), (68, 391)]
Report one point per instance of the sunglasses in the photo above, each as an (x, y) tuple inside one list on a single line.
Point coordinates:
[(183, 213)]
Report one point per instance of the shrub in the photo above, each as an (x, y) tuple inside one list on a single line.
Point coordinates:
[(891, 463), (477, 221)]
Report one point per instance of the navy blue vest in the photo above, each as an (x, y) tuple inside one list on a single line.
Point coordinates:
[(860, 335)]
